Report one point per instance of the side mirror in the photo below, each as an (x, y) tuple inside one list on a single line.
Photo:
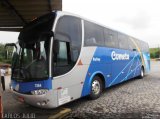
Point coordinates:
[(10, 45), (6, 50)]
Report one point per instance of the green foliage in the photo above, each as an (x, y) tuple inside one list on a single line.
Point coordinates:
[(8, 61), (3, 54), (154, 53)]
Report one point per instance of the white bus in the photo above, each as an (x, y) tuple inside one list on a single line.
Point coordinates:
[(61, 57)]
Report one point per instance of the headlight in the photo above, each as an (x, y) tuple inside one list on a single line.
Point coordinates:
[(39, 92)]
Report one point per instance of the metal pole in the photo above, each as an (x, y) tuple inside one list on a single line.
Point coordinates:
[(158, 52), (1, 107)]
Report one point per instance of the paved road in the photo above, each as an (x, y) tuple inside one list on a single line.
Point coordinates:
[(137, 98)]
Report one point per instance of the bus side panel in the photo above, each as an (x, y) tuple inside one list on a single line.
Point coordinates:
[(120, 67), (135, 69), (125, 69), (100, 64), (69, 86), (114, 71)]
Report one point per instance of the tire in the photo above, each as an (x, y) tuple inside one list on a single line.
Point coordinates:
[(96, 88), (141, 73)]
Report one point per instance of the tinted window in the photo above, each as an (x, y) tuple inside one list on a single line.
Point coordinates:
[(110, 38), (69, 29), (93, 34), (123, 41), (139, 44), (144, 46), (131, 45), (69, 34), (62, 58)]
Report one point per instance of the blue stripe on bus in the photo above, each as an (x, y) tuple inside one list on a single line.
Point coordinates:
[(132, 62), (139, 65), (25, 87)]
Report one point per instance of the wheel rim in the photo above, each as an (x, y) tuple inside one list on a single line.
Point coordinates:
[(96, 87), (142, 73)]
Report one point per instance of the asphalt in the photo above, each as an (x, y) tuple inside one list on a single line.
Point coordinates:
[(136, 98)]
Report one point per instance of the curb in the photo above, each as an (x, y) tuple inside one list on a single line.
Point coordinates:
[(63, 113)]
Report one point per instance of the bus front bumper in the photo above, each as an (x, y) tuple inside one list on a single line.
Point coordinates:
[(43, 101)]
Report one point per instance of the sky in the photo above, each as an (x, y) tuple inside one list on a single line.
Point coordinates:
[(138, 18)]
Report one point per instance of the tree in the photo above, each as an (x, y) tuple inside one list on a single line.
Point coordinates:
[(3, 58), (154, 53)]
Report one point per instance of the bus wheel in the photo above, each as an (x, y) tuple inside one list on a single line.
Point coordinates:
[(96, 88), (142, 73)]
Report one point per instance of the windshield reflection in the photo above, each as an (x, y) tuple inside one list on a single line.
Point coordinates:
[(30, 62)]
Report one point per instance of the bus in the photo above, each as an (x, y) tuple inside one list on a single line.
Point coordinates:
[(60, 57)]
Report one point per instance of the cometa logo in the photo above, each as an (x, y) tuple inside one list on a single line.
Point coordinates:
[(116, 56)]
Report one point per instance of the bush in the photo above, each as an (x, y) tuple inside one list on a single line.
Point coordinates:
[(8, 61), (154, 53)]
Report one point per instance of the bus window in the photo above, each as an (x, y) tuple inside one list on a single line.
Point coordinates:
[(69, 34), (69, 29), (110, 38), (93, 34), (139, 44), (123, 41), (131, 45), (144, 46), (61, 58)]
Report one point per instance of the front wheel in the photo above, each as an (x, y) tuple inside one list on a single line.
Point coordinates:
[(142, 73), (96, 88)]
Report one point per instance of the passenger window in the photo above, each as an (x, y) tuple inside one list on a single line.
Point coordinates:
[(61, 56), (110, 38), (62, 59), (69, 29), (139, 44), (144, 46), (93, 34), (131, 45), (123, 41), (75, 54), (69, 35)]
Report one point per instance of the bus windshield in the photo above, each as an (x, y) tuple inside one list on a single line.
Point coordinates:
[(31, 60)]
